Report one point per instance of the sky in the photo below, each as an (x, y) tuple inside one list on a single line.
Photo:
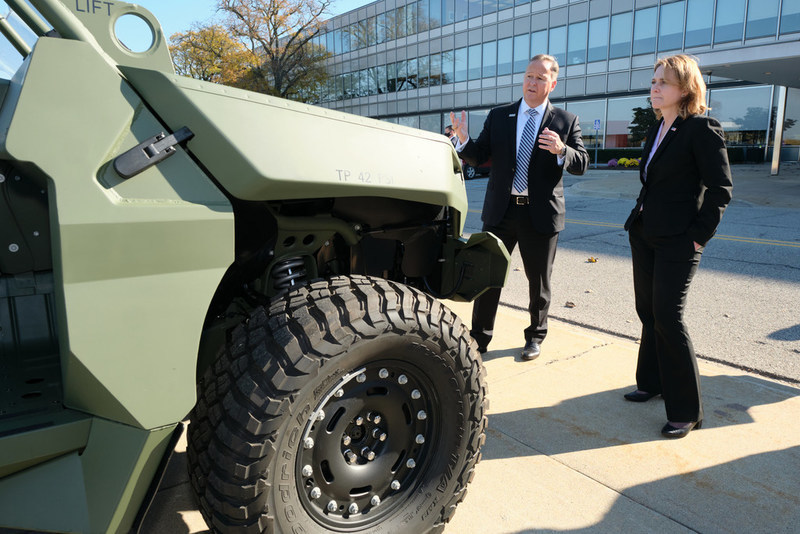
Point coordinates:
[(179, 15)]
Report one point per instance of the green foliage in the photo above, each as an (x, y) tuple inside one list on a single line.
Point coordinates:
[(643, 119)]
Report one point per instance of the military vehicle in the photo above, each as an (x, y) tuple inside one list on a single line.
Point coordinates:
[(172, 249)]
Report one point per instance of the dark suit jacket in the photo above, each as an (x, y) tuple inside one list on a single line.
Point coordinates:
[(688, 182), (498, 140)]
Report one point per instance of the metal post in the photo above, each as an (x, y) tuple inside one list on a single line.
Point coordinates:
[(776, 146)]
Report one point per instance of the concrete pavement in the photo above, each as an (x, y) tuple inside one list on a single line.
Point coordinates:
[(565, 453)]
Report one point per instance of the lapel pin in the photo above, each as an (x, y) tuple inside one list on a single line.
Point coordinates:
[(512, 114), (673, 129)]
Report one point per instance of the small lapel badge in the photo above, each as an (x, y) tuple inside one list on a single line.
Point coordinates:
[(673, 129), (512, 114)]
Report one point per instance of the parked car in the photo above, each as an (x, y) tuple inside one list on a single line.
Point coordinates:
[(471, 172)]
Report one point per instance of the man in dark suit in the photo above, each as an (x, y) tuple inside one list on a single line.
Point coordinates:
[(530, 143)]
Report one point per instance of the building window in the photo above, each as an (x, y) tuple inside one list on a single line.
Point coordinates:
[(489, 6), (391, 77), (521, 52), (598, 39), (576, 50), (699, 17), (587, 113), (790, 17), (621, 26), (538, 44), (743, 112), (436, 70), (448, 66), (462, 10), (434, 13), (411, 19), (474, 58), (402, 75), (380, 75), (627, 122), (791, 122), (431, 123), (423, 68), (412, 82), (475, 120), (412, 121), (729, 25), (461, 65), (475, 8), (762, 20), (644, 31), (557, 44), (670, 26), (448, 11), (489, 59)]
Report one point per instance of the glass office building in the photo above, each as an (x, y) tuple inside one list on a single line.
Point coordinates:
[(414, 61)]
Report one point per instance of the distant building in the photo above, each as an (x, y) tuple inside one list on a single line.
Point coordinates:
[(412, 63)]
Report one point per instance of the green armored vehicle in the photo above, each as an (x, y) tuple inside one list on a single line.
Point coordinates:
[(174, 248)]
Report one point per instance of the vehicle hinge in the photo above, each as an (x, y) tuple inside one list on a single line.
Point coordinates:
[(150, 152)]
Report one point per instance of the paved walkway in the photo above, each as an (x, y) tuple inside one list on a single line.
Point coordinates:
[(565, 453)]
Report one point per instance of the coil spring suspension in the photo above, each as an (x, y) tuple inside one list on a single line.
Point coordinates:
[(288, 273)]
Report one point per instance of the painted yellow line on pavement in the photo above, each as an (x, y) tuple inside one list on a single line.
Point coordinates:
[(738, 239)]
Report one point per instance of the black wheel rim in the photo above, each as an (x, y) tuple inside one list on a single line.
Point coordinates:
[(367, 445)]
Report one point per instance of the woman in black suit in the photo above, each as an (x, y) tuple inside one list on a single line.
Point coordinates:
[(686, 185)]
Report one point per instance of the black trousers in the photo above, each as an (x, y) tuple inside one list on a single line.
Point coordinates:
[(538, 252), (663, 268)]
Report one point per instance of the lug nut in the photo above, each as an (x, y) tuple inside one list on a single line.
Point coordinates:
[(416, 394), (411, 464), (320, 415), (353, 509), (361, 378), (351, 456), (421, 415), (332, 506), (308, 443), (339, 393), (307, 471), (402, 380), (420, 439), (395, 485), (383, 373), (375, 500), (346, 439), (359, 421), (377, 419), (316, 493), (368, 454)]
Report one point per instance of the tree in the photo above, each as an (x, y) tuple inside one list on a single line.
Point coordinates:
[(211, 54), (643, 119), (279, 33)]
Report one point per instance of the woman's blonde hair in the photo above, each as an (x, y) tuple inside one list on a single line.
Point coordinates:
[(690, 80)]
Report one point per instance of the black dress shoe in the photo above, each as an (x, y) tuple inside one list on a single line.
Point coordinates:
[(481, 339), (639, 396), (670, 431), (531, 351)]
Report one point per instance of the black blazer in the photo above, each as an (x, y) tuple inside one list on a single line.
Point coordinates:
[(498, 140), (688, 182)]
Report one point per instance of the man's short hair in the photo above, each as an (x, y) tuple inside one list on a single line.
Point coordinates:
[(553, 62)]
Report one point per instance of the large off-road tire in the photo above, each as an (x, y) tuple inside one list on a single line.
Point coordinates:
[(350, 405)]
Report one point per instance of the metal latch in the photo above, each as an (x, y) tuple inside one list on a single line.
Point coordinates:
[(150, 152)]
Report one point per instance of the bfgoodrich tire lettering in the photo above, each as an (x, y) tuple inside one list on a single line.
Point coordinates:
[(350, 405)]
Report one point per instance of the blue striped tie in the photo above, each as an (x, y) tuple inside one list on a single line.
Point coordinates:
[(525, 151)]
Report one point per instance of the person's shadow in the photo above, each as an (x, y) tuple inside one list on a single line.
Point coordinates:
[(752, 483)]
